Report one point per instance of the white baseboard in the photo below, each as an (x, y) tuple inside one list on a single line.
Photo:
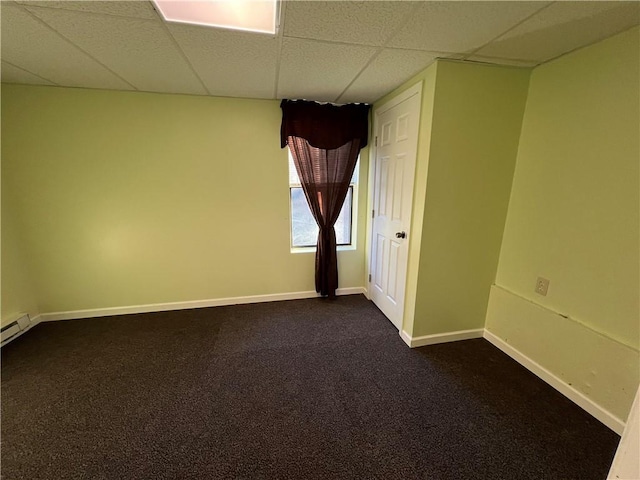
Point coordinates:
[(603, 415), (405, 337), (163, 307), (440, 337), (34, 321), (606, 417)]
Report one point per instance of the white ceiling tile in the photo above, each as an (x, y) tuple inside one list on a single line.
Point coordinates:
[(319, 71), (461, 26), (30, 45), (13, 74), (562, 27), (140, 51), (368, 23), (124, 45), (390, 69), (231, 64), (137, 9)]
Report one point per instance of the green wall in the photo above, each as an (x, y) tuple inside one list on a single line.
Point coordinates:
[(18, 295), (474, 140), (134, 198), (574, 211), (574, 219)]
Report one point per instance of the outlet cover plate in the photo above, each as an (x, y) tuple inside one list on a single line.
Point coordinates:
[(542, 286)]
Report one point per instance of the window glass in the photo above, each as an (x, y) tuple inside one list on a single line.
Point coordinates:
[(304, 230)]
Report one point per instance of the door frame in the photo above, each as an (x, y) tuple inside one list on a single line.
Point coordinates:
[(413, 90)]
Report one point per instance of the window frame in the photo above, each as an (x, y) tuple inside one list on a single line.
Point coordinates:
[(353, 187)]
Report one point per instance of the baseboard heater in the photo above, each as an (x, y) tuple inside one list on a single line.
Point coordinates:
[(15, 328)]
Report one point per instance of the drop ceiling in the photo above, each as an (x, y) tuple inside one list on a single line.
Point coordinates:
[(334, 51)]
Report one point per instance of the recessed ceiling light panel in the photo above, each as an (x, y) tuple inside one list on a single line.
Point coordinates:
[(249, 15)]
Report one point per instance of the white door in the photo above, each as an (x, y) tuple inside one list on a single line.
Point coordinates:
[(396, 126)]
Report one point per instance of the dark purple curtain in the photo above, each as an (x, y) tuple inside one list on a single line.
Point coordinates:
[(325, 140)]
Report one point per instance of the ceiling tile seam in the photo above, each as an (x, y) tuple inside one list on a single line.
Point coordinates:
[(283, 9), (348, 44), (82, 12), (435, 53), (183, 55), (331, 42), (380, 49), (438, 53), (489, 57), (514, 26), (29, 72), (494, 64), (375, 55), (45, 24)]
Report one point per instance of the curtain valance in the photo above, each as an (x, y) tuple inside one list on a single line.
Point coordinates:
[(324, 125)]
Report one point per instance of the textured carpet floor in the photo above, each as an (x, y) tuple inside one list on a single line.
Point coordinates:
[(304, 389)]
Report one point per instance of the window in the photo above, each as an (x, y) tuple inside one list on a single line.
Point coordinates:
[(304, 230)]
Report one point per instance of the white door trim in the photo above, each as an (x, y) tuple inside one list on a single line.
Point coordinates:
[(398, 99), (414, 90)]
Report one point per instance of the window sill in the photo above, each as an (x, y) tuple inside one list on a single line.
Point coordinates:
[(340, 248)]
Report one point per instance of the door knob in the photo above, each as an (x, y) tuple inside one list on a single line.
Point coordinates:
[(401, 235)]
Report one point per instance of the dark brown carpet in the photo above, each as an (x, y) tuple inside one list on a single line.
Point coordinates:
[(304, 389)]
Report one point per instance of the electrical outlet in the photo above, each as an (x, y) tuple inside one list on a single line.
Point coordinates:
[(542, 286)]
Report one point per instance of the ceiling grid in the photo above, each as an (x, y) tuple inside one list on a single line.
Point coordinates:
[(340, 51)]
